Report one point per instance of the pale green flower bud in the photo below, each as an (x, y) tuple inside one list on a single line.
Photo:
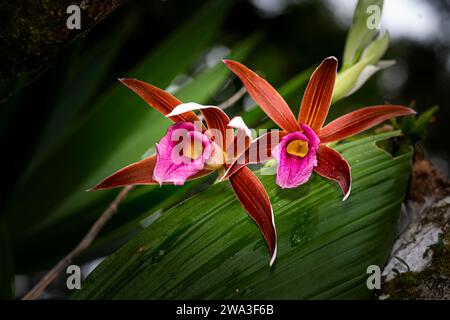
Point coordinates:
[(364, 48)]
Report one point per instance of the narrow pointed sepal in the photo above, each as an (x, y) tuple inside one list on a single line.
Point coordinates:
[(331, 165), (317, 98), (140, 172), (158, 99), (253, 197), (265, 96), (360, 120)]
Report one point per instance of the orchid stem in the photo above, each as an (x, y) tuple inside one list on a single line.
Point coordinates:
[(90, 236)]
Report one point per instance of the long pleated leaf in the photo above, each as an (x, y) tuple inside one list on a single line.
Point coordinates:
[(207, 247)]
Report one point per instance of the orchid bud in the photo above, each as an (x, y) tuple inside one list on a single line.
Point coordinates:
[(363, 50), (361, 32)]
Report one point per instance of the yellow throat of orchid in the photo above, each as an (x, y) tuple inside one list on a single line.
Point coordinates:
[(216, 161), (298, 148), (193, 150)]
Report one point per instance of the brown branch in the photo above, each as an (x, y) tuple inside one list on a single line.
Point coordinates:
[(229, 102), (83, 245), (233, 99)]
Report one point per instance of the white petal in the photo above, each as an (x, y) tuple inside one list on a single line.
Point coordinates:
[(186, 107), (238, 123), (348, 192)]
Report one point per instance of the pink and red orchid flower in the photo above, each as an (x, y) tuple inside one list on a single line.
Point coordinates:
[(202, 152), (303, 148)]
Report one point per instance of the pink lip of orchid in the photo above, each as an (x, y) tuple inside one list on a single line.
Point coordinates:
[(302, 148), (296, 156), (175, 167), (164, 168)]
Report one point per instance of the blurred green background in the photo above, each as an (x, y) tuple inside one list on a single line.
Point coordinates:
[(70, 124)]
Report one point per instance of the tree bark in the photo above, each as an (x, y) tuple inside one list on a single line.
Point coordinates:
[(419, 267), (33, 31)]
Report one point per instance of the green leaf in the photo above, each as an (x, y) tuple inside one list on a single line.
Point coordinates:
[(208, 248), (83, 79), (415, 128), (424, 119), (207, 83)]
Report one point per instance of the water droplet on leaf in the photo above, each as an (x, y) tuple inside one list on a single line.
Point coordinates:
[(296, 238)]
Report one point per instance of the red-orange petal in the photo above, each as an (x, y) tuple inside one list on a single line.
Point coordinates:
[(258, 151), (253, 197), (265, 96), (360, 120), (138, 173), (158, 99), (216, 118), (317, 98), (240, 143), (331, 165)]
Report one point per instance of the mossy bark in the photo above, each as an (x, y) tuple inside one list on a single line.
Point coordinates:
[(33, 31), (433, 282)]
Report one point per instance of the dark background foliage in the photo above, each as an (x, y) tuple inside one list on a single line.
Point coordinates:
[(296, 36)]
